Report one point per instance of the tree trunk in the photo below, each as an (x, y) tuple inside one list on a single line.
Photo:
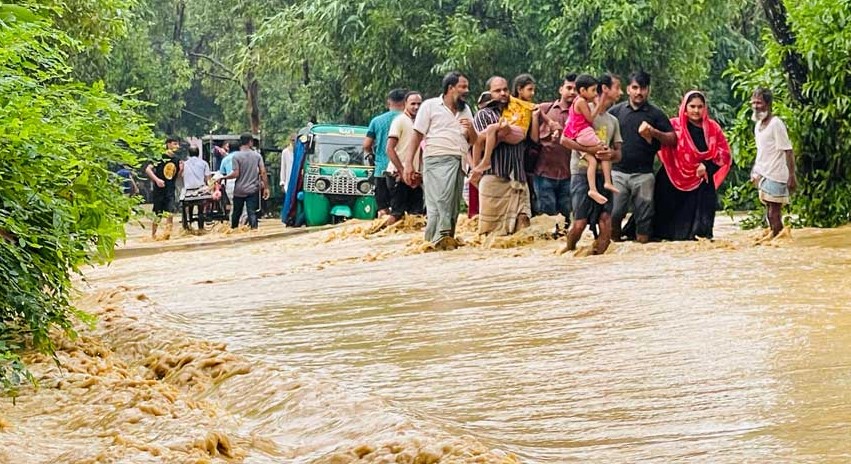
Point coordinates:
[(252, 94), (252, 87), (178, 21), (305, 69), (793, 62)]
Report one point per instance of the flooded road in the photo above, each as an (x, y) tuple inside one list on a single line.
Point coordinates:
[(722, 352)]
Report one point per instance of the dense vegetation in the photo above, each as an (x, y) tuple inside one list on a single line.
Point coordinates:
[(70, 68), (61, 207)]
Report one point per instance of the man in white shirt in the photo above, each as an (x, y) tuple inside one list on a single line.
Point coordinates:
[(196, 172), (446, 123), (774, 169), (404, 198)]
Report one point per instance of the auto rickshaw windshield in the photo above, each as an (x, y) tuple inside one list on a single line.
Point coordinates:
[(335, 149)]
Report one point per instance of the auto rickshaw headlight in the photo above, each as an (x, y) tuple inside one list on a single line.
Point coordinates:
[(364, 187), (323, 184)]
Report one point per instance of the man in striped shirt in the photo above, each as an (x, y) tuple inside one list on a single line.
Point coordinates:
[(504, 203)]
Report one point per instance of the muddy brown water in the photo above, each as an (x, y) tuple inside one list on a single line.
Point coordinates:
[(722, 352)]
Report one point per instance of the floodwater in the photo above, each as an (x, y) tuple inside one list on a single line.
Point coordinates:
[(353, 349)]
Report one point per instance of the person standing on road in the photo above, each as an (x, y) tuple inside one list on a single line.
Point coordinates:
[(645, 129), (552, 169), (250, 174), (446, 123), (375, 144), (404, 198), (774, 169)]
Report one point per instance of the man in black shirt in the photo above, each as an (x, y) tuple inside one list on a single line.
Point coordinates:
[(644, 129), (164, 175)]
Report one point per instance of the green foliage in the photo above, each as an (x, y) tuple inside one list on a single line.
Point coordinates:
[(336, 60), (92, 24), (61, 206), (160, 71), (360, 50), (820, 126)]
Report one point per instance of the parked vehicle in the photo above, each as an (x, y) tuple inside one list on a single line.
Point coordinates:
[(331, 179)]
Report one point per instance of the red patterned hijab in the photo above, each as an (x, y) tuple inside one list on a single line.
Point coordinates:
[(681, 162)]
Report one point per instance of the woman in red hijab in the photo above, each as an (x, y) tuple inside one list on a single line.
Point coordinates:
[(691, 172)]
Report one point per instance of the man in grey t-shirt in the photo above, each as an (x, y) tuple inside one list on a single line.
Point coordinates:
[(250, 174), (585, 210)]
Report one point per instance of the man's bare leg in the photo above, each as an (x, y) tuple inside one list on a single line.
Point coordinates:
[(169, 224), (775, 218), (604, 238), (575, 233), (522, 222), (154, 226), (617, 232)]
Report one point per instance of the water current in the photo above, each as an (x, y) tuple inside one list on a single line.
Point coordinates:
[(726, 352)]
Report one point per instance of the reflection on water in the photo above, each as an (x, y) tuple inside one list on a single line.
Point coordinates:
[(709, 352)]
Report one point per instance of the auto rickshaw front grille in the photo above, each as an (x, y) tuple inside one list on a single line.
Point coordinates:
[(340, 185)]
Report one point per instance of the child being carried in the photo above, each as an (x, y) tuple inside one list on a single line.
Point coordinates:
[(516, 117), (579, 127)]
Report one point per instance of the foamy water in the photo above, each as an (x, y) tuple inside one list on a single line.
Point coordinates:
[(361, 348)]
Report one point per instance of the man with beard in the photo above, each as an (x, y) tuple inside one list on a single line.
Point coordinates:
[(552, 170), (644, 128), (404, 198), (774, 169), (446, 124), (504, 203)]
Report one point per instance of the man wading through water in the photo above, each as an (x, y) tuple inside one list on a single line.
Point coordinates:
[(586, 211), (504, 201), (644, 128), (164, 175), (552, 170), (446, 123), (774, 169)]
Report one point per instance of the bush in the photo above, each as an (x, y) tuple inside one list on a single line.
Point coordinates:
[(60, 206)]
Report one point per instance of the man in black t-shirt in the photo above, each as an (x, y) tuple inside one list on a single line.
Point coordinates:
[(164, 175), (644, 129)]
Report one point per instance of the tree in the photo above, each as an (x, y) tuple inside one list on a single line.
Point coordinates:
[(61, 206), (359, 50)]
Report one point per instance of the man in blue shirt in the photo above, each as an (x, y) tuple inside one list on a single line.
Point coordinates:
[(375, 144)]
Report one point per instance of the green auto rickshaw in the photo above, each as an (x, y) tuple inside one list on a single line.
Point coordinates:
[(331, 179)]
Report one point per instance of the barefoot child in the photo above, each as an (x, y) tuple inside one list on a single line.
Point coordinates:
[(517, 117), (579, 128)]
